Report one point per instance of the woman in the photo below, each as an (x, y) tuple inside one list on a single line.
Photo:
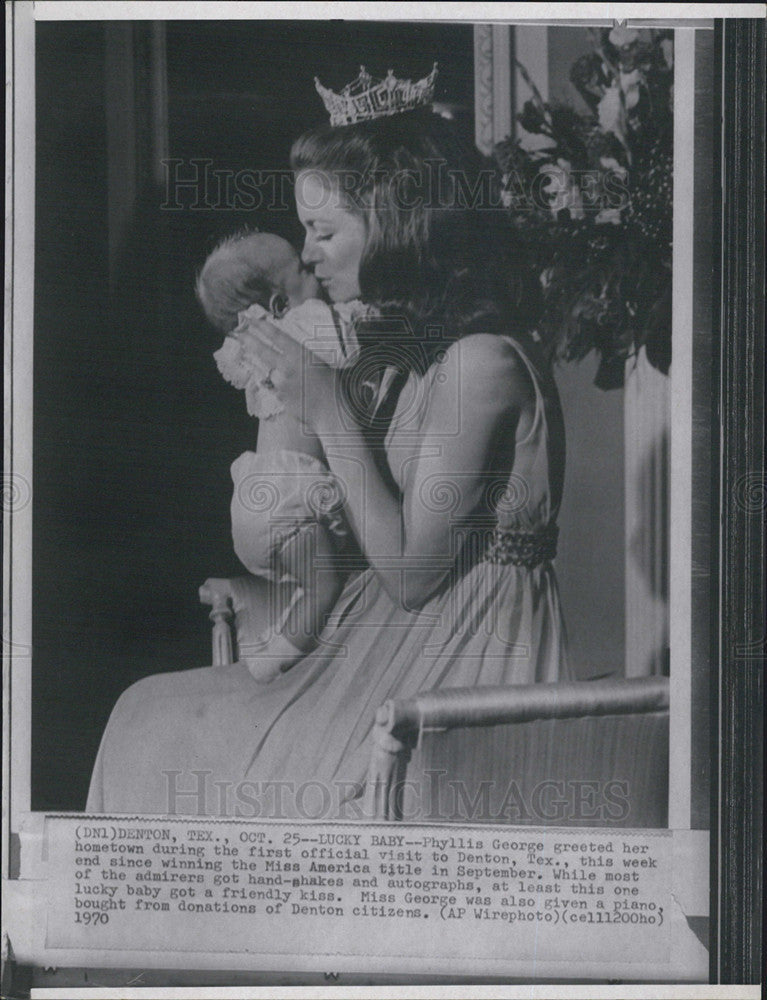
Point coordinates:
[(448, 443)]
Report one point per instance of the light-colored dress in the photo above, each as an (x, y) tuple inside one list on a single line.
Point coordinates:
[(173, 736)]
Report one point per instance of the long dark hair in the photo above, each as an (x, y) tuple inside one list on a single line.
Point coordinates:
[(439, 257)]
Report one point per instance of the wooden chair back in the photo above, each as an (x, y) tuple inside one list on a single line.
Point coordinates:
[(588, 754)]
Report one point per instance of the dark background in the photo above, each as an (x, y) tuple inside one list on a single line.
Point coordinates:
[(134, 430)]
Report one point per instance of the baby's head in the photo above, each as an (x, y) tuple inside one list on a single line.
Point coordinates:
[(249, 268)]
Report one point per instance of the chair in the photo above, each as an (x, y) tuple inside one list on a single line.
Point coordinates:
[(218, 593), (240, 611), (592, 753)]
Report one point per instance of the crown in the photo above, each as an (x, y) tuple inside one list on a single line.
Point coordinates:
[(366, 97)]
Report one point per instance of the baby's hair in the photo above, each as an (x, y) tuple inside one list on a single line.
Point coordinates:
[(233, 278)]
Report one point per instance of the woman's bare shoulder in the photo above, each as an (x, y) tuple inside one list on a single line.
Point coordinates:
[(489, 370)]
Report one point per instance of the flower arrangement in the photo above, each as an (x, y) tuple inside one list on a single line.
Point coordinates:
[(590, 199)]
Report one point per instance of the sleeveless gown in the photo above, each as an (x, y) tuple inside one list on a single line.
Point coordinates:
[(206, 741)]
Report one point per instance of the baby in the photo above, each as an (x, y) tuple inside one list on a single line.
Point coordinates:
[(286, 506)]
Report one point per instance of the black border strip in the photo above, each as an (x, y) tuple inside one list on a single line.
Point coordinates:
[(736, 868)]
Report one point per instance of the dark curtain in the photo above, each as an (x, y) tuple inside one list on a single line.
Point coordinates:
[(134, 431)]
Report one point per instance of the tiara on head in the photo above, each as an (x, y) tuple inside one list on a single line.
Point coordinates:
[(366, 98)]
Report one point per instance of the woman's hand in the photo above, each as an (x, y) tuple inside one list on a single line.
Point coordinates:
[(306, 385)]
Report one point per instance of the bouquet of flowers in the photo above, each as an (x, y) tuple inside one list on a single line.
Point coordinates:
[(591, 202)]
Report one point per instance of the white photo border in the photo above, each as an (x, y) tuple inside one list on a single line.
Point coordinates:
[(19, 822)]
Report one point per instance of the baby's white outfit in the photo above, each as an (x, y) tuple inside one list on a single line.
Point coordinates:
[(327, 332), (279, 494)]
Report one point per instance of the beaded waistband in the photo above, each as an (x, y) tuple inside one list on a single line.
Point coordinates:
[(521, 548)]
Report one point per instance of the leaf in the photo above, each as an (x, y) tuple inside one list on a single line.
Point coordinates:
[(588, 78), (532, 120), (607, 287)]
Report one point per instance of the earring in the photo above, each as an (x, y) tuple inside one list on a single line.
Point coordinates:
[(278, 305)]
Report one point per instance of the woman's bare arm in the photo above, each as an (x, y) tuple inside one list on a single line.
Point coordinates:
[(410, 543)]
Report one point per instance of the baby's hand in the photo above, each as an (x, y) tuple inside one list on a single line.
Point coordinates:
[(252, 321)]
